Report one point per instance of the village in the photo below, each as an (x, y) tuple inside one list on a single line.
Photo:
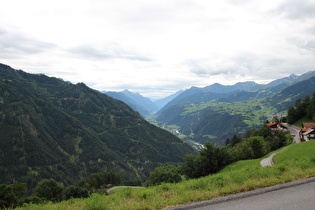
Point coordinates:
[(306, 133)]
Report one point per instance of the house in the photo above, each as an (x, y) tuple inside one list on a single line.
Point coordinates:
[(309, 135), (307, 132), (308, 125), (273, 125), (277, 126)]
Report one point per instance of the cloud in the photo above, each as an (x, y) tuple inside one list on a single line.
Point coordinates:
[(296, 9), (214, 67), (159, 45), (112, 51), (13, 45)]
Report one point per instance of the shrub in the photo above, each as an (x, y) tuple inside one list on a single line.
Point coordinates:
[(49, 190), (167, 173), (10, 194), (75, 192)]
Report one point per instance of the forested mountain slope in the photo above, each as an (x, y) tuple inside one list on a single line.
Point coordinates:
[(53, 129)]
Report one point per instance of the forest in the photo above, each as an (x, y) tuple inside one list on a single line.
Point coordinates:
[(53, 129)]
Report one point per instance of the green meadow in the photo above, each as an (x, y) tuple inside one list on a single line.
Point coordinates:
[(294, 162)]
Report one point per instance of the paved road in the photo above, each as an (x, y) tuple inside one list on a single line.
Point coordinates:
[(295, 195), (268, 161), (294, 130)]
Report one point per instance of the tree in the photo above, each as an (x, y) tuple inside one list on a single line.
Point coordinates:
[(227, 142), (248, 133), (310, 112), (258, 146), (75, 192), (167, 173), (10, 195), (236, 139), (206, 162), (188, 168), (49, 190), (275, 119), (264, 131), (7, 196), (292, 116)]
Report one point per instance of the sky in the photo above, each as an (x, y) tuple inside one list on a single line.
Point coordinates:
[(157, 47)]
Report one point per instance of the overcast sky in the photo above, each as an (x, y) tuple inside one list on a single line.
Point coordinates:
[(156, 47)]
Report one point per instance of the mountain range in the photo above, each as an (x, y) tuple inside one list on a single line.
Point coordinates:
[(139, 103), (53, 129), (216, 112), (136, 101), (225, 93), (214, 116)]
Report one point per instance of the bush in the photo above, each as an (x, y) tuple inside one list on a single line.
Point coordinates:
[(49, 190), (75, 192), (167, 173), (10, 194), (34, 200)]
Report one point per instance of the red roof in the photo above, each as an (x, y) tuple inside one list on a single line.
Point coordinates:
[(305, 129), (309, 125), (271, 124)]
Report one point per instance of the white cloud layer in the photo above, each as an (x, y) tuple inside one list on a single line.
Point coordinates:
[(158, 47)]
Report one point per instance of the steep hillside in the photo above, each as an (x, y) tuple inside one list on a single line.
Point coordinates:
[(289, 95), (53, 129)]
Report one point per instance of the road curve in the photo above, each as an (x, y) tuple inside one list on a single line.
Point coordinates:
[(294, 130), (108, 191), (268, 161), (293, 195)]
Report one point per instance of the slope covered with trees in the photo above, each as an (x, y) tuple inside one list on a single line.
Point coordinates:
[(302, 108), (52, 129)]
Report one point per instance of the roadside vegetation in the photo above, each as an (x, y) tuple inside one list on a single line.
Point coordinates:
[(238, 177), (210, 160)]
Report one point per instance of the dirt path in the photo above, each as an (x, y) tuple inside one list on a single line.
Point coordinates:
[(108, 191), (268, 161)]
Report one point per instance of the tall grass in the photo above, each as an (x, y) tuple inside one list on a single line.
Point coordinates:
[(292, 163)]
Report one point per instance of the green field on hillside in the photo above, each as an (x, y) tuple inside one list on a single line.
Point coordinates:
[(294, 162)]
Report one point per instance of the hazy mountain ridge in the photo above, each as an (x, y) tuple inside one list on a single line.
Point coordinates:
[(129, 101), (136, 101), (163, 101), (238, 92), (53, 129)]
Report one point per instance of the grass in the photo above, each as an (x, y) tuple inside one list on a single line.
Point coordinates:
[(296, 152), (292, 163), (303, 120)]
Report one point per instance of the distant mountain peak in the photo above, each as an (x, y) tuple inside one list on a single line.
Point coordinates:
[(126, 91)]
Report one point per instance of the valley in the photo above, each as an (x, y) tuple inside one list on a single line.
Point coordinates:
[(221, 117), (72, 134)]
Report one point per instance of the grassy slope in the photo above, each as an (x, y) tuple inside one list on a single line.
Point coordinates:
[(303, 120), (294, 162)]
